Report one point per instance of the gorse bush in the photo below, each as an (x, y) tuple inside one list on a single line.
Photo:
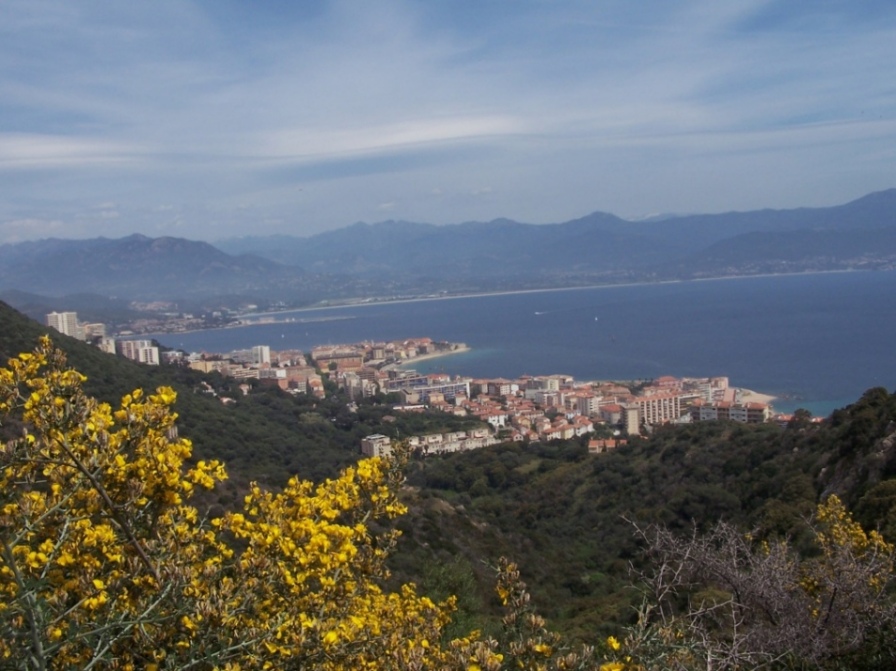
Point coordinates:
[(105, 564), (726, 600)]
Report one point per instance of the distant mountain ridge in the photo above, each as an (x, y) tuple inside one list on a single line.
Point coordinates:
[(135, 267), (597, 244), (399, 258)]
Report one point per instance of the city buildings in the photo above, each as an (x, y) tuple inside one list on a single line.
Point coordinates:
[(64, 322), (143, 351), (528, 408), (416, 388), (376, 445), (748, 413)]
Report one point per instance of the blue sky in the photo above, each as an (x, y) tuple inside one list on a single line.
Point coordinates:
[(217, 118)]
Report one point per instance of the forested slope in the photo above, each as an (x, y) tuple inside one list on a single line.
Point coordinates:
[(565, 516), (568, 518), (266, 435)]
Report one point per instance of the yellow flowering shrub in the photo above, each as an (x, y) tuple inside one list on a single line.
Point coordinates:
[(105, 564), (756, 604), (848, 583)]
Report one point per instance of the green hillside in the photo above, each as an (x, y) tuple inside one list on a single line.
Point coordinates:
[(566, 517), (267, 435)]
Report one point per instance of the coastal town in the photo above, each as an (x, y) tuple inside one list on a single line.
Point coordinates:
[(526, 408)]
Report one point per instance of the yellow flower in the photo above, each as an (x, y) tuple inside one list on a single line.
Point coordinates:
[(307, 567), (613, 643)]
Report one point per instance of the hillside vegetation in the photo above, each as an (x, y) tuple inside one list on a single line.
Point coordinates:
[(267, 435), (569, 520), (567, 517)]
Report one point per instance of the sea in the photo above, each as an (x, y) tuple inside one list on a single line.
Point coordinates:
[(815, 341)]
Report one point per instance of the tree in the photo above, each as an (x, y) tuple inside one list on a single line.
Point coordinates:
[(723, 600)]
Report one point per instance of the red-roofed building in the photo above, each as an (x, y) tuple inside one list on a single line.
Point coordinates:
[(598, 445)]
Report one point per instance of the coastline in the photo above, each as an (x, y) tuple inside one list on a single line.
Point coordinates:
[(783, 367), (460, 349), (751, 396), (370, 302), (742, 394)]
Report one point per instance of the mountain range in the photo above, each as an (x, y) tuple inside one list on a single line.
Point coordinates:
[(397, 257)]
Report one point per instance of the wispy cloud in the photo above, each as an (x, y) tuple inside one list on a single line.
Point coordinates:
[(298, 117)]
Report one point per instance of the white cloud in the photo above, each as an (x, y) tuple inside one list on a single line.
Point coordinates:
[(560, 108), (18, 230), (361, 140), (25, 150)]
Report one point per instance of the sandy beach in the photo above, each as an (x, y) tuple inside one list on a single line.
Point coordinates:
[(750, 396), (426, 357)]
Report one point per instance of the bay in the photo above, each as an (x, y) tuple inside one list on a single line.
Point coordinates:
[(816, 341)]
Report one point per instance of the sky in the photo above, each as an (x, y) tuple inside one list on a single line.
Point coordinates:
[(209, 119)]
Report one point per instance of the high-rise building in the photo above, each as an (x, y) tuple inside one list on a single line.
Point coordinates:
[(139, 350), (376, 445), (261, 354), (92, 331), (658, 408), (64, 322)]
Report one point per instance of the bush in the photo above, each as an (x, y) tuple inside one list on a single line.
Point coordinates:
[(105, 564)]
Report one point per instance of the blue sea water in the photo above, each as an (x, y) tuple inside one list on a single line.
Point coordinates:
[(816, 341)]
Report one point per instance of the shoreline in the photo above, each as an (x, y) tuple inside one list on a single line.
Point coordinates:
[(371, 302), (425, 357), (750, 396)]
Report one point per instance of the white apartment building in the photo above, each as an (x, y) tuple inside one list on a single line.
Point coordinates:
[(261, 354), (64, 322), (376, 445), (658, 408), (139, 350), (588, 404), (748, 413)]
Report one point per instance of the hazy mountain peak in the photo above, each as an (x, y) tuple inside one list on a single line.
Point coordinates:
[(396, 255)]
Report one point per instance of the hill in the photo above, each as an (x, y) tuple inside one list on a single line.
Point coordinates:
[(397, 258), (600, 245), (266, 435), (563, 515), (566, 517), (136, 267)]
